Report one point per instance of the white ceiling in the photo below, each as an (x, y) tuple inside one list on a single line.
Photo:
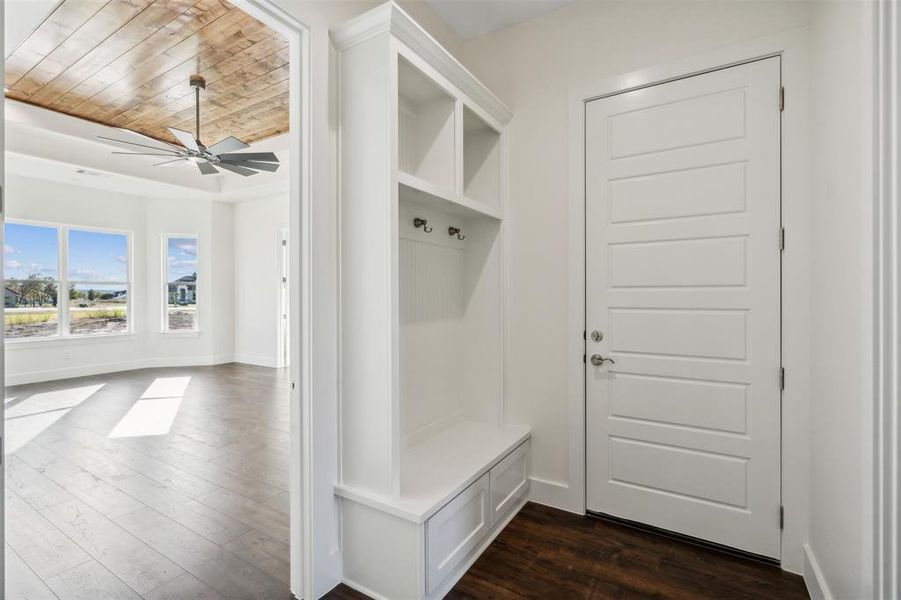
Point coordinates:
[(475, 18)]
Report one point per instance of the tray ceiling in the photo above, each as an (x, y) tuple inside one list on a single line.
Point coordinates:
[(126, 63)]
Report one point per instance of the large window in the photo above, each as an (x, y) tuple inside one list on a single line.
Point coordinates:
[(91, 266), (180, 289), (97, 282)]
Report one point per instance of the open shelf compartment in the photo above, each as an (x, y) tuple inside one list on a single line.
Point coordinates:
[(481, 160), (425, 127)]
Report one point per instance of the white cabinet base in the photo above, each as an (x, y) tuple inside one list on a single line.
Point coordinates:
[(393, 557)]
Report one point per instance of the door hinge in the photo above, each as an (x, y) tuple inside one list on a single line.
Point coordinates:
[(781, 517), (292, 385), (781, 99), (284, 242), (584, 362), (782, 239), (781, 378)]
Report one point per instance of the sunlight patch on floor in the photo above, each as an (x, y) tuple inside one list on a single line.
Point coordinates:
[(156, 410), (32, 416), (167, 387)]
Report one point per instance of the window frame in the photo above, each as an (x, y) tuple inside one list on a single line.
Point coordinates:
[(63, 281), (164, 285)]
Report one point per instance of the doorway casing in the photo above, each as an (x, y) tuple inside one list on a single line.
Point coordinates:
[(298, 34), (299, 281)]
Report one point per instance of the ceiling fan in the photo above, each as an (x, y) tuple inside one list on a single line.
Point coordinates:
[(222, 154)]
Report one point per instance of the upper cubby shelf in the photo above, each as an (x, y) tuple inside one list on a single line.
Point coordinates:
[(425, 127), (419, 191), (481, 160)]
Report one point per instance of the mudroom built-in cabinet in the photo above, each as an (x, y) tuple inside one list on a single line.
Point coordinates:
[(430, 469)]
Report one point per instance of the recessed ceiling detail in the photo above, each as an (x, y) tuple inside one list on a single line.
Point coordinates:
[(126, 63)]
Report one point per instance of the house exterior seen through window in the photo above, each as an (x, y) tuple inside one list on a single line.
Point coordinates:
[(181, 283), (92, 266)]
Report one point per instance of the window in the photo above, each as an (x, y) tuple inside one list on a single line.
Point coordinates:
[(95, 273), (30, 295), (97, 282), (180, 290)]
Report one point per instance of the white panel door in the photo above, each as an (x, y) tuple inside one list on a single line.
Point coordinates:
[(683, 284)]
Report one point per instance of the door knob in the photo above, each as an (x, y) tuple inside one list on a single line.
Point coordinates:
[(598, 360)]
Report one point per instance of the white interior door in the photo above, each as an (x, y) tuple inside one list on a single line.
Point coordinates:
[(683, 286)]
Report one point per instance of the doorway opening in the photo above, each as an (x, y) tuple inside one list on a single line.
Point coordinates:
[(144, 451)]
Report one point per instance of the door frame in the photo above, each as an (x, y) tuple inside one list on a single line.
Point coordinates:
[(792, 47), (302, 557), (887, 309), (300, 262)]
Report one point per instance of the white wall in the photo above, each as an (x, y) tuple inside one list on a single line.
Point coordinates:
[(257, 250), (841, 473), (533, 67), (147, 220)]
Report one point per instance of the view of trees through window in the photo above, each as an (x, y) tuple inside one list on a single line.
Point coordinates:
[(96, 279), (30, 295), (181, 283), (97, 282)]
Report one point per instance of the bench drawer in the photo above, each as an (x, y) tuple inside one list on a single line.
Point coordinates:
[(509, 483), (455, 531)]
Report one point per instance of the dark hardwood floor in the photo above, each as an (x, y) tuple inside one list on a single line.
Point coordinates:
[(550, 554), (162, 484)]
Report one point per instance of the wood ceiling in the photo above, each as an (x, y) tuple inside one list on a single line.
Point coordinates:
[(126, 63)]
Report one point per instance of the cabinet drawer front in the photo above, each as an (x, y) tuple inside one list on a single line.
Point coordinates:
[(509, 483), (455, 531)]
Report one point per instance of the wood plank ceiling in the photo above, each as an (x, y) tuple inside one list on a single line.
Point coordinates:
[(126, 63)]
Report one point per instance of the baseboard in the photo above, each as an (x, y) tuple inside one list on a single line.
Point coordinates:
[(363, 590), (554, 494), (125, 365), (260, 361), (813, 577)]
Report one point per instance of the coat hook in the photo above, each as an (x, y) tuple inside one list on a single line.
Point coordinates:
[(455, 231), (417, 222)]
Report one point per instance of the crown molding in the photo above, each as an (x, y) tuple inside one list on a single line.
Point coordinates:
[(390, 18)]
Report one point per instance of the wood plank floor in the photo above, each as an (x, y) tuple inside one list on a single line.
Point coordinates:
[(550, 554), (162, 484)]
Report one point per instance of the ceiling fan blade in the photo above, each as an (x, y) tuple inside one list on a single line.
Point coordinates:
[(147, 153), (229, 144), (236, 169), (148, 138), (252, 164), (207, 168), (100, 137), (261, 156), (185, 139), (169, 163)]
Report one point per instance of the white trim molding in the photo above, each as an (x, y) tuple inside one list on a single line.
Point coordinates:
[(104, 368), (813, 577), (305, 368), (391, 17), (887, 297)]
